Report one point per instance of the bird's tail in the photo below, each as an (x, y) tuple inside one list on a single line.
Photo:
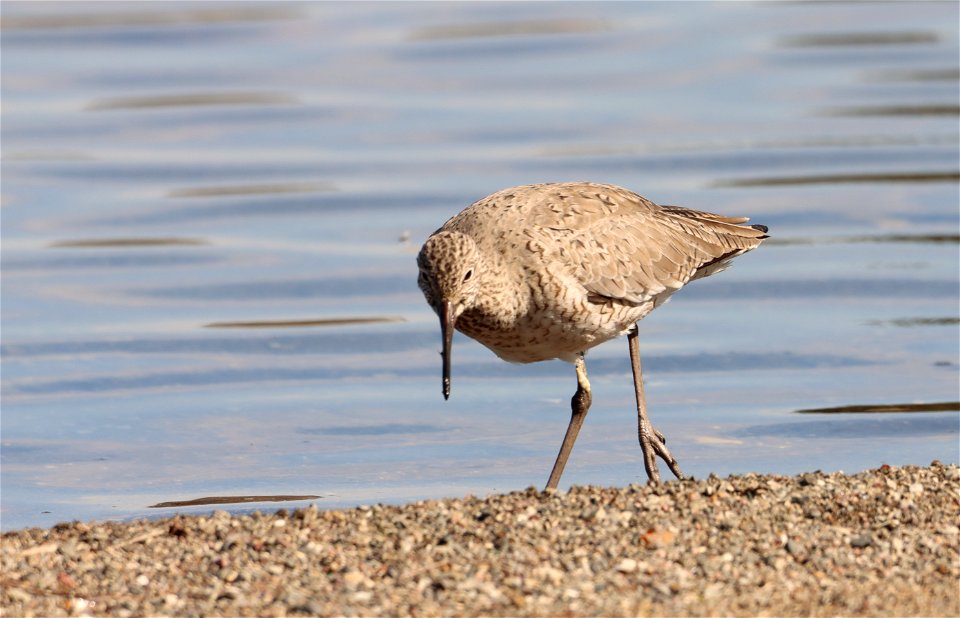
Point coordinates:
[(728, 235)]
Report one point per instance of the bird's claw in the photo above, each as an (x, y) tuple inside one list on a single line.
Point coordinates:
[(654, 444)]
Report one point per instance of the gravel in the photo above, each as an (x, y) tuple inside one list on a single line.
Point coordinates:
[(883, 542)]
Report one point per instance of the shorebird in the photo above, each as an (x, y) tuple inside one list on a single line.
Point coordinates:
[(548, 271)]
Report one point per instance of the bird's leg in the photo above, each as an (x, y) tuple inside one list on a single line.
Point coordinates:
[(578, 407), (652, 442)]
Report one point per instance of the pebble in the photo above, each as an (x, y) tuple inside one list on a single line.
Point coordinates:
[(862, 540), (627, 565), (882, 542)]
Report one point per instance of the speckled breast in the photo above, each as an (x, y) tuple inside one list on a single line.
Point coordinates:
[(550, 332)]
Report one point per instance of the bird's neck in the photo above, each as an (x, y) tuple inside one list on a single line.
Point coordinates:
[(501, 300)]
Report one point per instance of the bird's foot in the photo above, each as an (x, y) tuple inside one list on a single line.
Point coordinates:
[(654, 444)]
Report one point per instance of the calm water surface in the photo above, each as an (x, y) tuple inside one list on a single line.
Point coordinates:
[(198, 199)]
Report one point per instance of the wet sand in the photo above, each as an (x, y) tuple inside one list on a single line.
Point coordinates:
[(883, 542)]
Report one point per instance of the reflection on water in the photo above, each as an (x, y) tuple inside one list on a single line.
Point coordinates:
[(912, 75), (182, 184), (799, 142), (168, 17), (509, 28), (258, 189), (885, 177), (909, 322), (860, 38), (301, 323), (216, 500), (125, 242), (894, 110), (879, 238), (946, 406), (194, 99)]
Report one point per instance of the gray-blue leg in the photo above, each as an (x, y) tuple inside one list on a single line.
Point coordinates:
[(579, 406), (652, 442)]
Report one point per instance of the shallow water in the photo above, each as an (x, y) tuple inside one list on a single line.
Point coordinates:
[(211, 212)]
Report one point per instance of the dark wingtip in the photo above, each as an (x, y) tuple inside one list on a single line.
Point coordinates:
[(760, 228)]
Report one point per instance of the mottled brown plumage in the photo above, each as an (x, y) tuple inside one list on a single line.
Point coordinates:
[(551, 270)]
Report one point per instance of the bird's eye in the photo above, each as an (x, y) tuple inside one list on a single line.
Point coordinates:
[(467, 276)]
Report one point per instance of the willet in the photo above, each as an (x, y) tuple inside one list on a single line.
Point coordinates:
[(551, 270)]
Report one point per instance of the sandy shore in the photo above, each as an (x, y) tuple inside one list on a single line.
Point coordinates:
[(883, 542)]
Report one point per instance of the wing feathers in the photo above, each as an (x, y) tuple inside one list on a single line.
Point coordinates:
[(615, 243), (633, 250)]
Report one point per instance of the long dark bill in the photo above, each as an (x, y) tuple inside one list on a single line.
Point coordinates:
[(447, 320)]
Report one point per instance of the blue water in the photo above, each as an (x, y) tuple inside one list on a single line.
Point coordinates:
[(170, 166)]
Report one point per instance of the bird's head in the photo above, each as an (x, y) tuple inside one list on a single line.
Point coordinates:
[(451, 268)]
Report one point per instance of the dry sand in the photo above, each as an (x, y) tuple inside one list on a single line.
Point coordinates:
[(883, 542)]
